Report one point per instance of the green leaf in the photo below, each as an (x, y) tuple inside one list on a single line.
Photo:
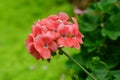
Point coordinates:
[(115, 21), (103, 5), (95, 64), (112, 59), (99, 74), (93, 40), (111, 34), (92, 44), (88, 22), (116, 74), (112, 27), (106, 2)]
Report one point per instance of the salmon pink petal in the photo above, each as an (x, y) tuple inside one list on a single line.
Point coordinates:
[(53, 17), (53, 46), (75, 21), (53, 35), (68, 23), (45, 53), (50, 25), (36, 30), (61, 42), (77, 45), (74, 30), (33, 51), (38, 41), (44, 29), (46, 38), (79, 39), (70, 42), (43, 22), (63, 16), (63, 29), (30, 39)]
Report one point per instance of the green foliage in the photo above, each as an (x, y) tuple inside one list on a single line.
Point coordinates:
[(112, 26), (87, 24), (100, 53)]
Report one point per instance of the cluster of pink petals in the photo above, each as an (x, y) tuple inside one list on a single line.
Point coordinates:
[(52, 33)]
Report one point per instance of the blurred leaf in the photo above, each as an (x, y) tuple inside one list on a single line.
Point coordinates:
[(99, 74), (88, 22), (115, 21), (96, 64), (93, 40), (92, 44), (111, 34), (112, 27), (106, 5), (112, 61), (106, 2), (116, 74)]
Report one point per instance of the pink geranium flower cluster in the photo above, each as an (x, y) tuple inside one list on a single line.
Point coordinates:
[(52, 33)]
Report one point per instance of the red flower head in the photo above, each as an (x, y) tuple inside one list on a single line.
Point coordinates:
[(31, 48), (53, 32), (75, 37), (45, 45)]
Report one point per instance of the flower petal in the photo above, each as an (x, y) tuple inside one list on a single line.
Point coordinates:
[(70, 42), (53, 46), (63, 16), (38, 41), (61, 42), (36, 29), (33, 51), (79, 39), (77, 45), (30, 39), (53, 35), (75, 21), (63, 29), (45, 53), (53, 17), (50, 24), (43, 22)]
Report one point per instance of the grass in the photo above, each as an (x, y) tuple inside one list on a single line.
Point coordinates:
[(16, 18)]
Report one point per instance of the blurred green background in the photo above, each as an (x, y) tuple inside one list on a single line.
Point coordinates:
[(16, 19)]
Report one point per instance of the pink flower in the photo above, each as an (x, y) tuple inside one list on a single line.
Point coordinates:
[(63, 16), (53, 17), (75, 37), (37, 28), (45, 45), (31, 48), (63, 31), (51, 33), (70, 35), (52, 25)]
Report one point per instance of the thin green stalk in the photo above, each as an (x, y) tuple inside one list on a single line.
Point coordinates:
[(80, 66)]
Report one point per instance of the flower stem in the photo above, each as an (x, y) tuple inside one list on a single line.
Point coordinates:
[(80, 66)]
